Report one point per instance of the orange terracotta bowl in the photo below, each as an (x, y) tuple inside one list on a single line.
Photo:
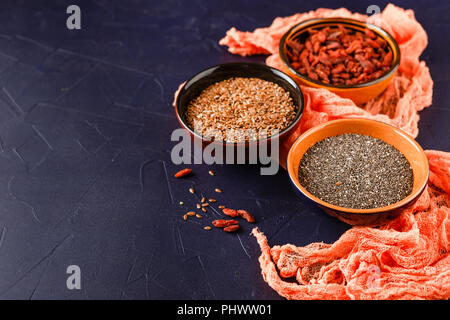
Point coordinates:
[(359, 93), (389, 134)]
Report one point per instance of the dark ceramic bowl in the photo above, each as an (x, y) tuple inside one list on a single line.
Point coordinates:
[(195, 85), (389, 134)]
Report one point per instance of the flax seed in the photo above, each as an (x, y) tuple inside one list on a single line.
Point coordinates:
[(199, 216), (185, 217), (203, 209), (243, 106), (211, 200), (205, 204), (207, 228), (211, 173), (191, 213), (191, 190), (198, 206), (218, 190), (203, 200), (221, 207)]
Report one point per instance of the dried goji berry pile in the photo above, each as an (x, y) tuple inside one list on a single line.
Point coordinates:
[(340, 55)]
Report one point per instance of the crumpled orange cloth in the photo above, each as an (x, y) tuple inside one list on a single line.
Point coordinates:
[(409, 257)]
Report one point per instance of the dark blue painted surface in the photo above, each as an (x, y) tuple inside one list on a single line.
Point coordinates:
[(85, 170)]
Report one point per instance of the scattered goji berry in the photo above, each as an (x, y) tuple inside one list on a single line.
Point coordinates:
[(231, 228), (182, 173), (230, 212)]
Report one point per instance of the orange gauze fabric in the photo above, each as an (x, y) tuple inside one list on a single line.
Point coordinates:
[(406, 259), (409, 92), (409, 258)]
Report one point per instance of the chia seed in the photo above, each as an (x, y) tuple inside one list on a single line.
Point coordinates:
[(356, 171)]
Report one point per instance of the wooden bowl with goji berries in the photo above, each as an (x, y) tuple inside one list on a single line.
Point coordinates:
[(351, 58)]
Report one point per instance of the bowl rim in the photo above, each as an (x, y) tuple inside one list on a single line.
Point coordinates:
[(346, 21), (280, 73), (291, 163)]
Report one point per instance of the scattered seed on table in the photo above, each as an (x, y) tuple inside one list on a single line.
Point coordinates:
[(198, 206), (211, 200), (205, 204), (211, 173), (199, 216), (203, 200), (218, 190), (191, 213), (221, 207), (191, 190), (203, 209), (207, 228), (185, 217)]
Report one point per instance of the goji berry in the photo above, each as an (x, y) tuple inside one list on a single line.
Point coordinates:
[(232, 228), (182, 173)]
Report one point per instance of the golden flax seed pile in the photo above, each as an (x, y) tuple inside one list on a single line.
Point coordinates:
[(242, 107)]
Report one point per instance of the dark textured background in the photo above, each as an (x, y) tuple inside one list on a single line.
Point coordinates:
[(85, 170)]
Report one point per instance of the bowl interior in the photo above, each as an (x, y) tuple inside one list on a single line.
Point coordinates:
[(391, 135), (202, 80), (299, 33)]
